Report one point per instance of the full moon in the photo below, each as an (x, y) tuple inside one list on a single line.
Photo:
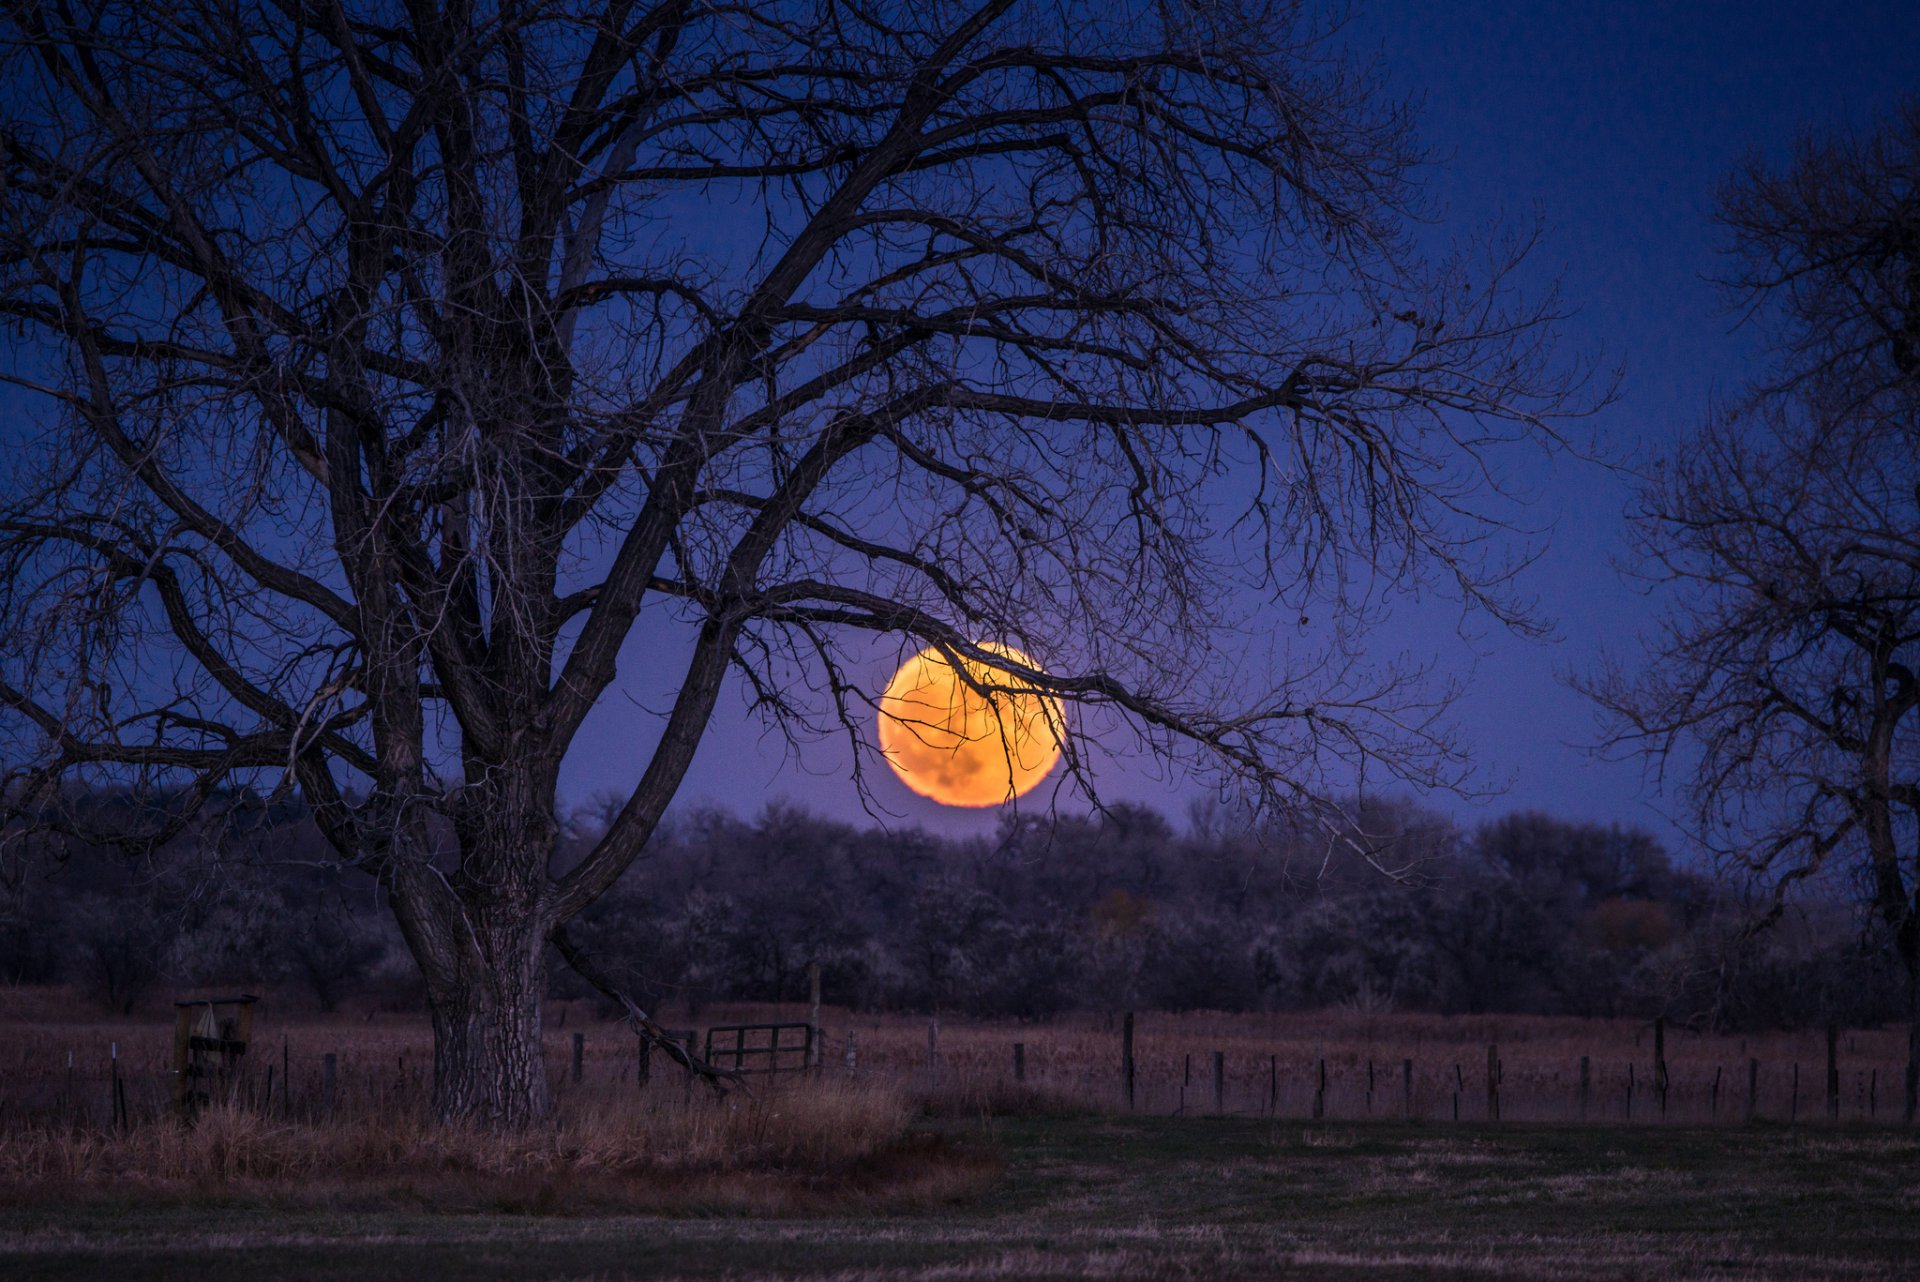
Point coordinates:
[(949, 742)]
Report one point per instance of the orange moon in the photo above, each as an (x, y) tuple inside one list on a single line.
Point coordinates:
[(949, 742)]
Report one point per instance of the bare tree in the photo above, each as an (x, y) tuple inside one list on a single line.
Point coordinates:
[(410, 359), (1783, 678)]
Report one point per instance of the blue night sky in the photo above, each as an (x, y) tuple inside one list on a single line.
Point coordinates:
[(1614, 123)]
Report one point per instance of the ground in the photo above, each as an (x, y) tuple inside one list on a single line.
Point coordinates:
[(1099, 1197)]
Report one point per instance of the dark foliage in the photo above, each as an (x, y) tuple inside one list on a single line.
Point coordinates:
[(1527, 913)]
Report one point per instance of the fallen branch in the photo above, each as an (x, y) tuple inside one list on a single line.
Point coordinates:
[(642, 1023)]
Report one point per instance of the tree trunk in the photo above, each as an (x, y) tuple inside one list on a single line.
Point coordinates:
[(485, 974), (488, 1062)]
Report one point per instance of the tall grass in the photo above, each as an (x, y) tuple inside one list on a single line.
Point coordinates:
[(789, 1144)]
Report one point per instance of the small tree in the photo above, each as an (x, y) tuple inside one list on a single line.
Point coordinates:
[(404, 364), (1784, 675)]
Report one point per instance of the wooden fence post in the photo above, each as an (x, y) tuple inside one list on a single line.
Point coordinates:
[(116, 1098), (1459, 1084), (1660, 1063), (1019, 1061), (1406, 1088), (182, 1060), (1126, 1061), (1833, 1073), (933, 1046), (1586, 1085), (579, 1056), (1493, 1082), (1219, 1081), (1273, 1085), (853, 1051), (814, 1054), (1753, 1086)]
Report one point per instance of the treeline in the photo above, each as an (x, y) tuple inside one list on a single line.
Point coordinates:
[(1527, 913)]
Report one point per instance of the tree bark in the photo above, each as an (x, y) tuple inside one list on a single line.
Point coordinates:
[(486, 980)]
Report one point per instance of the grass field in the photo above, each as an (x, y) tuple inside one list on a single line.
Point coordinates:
[(1091, 1196), (894, 1171), (1271, 1060)]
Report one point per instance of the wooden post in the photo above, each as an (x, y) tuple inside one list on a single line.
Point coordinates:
[(1219, 1081), (813, 1055), (1493, 1082), (1126, 1060), (1019, 1061), (579, 1056), (853, 1051), (1406, 1087), (1713, 1108), (1320, 1092), (1660, 1063), (1369, 1088), (1273, 1085), (182, 1030), (1793, 1109), (329, 1069), (1833, 1073), (933, 1045), (1753, 1086), (1586, 1085), (1459, 1084)]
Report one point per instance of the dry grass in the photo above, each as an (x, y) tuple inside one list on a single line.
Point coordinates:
[(799, 1145), (1271, 1063)]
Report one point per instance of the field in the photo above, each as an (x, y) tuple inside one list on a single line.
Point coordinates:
[(1270, 1062), (900, 1171), (1095, 1197)]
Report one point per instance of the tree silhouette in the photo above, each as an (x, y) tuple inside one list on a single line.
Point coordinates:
[(1784, 674), (397, 363)]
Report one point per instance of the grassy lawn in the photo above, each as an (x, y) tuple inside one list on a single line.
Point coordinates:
[(1149, 1198)]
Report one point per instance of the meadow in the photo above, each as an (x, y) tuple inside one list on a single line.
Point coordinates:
[(56, 1060), (902, 1169)]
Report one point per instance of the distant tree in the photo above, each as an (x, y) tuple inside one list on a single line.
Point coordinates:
[(330, 952), (1783, 680), (119, 949)]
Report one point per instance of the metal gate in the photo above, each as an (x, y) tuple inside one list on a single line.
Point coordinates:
[(763, 1048)]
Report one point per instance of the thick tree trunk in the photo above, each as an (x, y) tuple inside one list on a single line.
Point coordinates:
[(485, 974), (488, 1063)]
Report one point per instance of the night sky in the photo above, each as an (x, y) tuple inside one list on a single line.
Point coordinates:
[(1615, 123)]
